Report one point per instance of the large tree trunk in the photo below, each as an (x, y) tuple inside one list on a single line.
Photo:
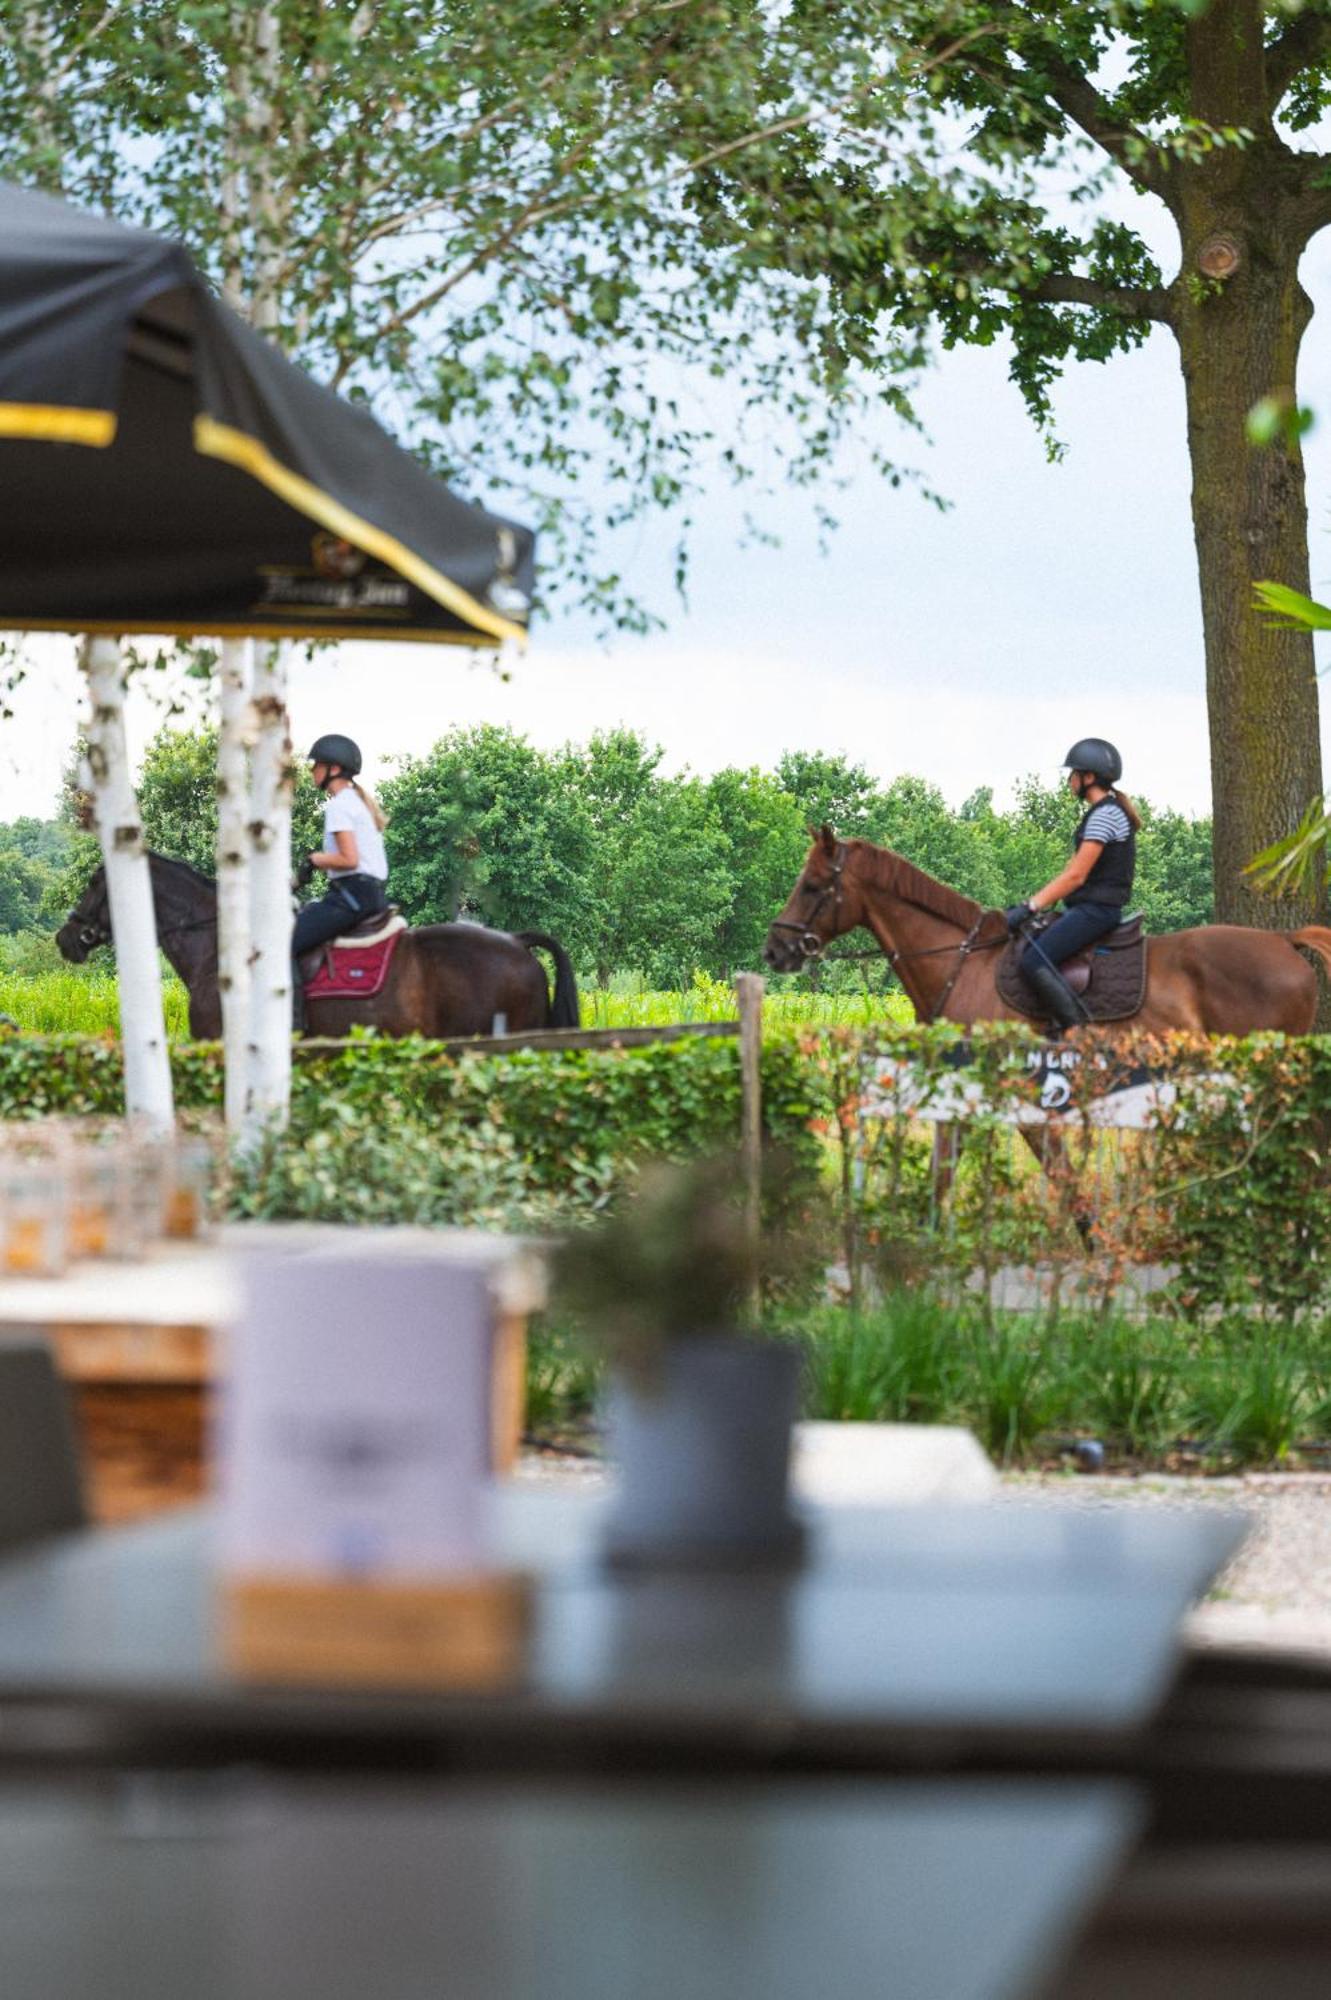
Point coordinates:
[(129, 890), (1240, 314), (1250, 520)]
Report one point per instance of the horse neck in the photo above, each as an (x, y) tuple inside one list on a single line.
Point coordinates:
[(916, 940), (191, 953)]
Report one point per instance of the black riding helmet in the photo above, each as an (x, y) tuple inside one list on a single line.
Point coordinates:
[(339, 750), (1092, 754)]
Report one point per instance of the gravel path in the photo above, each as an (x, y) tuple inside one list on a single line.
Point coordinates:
[(1276, 1592)]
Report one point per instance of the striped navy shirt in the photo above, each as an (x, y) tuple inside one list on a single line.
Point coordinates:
[(1107, 823)]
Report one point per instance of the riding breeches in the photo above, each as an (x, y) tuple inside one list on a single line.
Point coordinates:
[(347, 900), (1071, 932)]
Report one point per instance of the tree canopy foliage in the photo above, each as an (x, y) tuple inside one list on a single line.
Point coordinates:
[(633, 868), (511, 226), (529, 230)]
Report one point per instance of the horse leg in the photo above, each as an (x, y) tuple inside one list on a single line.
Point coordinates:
[(1046, 1143), (943, 1167)]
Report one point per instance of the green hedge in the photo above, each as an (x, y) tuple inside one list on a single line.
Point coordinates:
[(384, 1130), (1232, 1191)]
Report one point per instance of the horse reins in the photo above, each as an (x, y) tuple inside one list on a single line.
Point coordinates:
[(810, 946), (91, 936)]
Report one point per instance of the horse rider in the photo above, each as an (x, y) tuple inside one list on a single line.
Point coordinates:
[(1095, 885), (352, 857)]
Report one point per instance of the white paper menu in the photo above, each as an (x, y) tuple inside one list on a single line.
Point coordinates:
[(354, 1428)]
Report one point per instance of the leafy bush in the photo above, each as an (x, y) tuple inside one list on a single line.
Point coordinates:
[(1153, 1390), (1231, 1190)]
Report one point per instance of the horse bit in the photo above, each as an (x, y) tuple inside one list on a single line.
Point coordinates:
[(810, 946)]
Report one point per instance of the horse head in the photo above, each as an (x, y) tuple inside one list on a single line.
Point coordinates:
[(88, 923), (820, 907), (183, 900)]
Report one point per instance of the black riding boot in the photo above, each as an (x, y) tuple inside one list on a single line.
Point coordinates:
[(1060, 1002), (297, 998)]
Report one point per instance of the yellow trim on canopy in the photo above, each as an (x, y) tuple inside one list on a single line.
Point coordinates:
[(235, 629), (237, 448), (57, 423)]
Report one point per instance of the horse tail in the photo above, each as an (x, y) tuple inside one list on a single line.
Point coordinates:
[(564, 1009), (1317, 938)]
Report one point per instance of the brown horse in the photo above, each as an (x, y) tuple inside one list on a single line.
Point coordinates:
[(445, 979), (1220, 979)]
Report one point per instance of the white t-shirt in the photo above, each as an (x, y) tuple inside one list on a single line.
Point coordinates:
[(347, 812)]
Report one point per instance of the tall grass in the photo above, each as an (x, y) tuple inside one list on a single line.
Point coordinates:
[(627, 1004), (1155, 1391), (78, 1000), (47, 997)]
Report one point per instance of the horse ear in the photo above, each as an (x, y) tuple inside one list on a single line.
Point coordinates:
[(827, 840)]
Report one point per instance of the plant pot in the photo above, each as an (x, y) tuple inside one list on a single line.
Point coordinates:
[(703, 1457)]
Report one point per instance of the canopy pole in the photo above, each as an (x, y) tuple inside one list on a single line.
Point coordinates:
[(233, 872), (271, 784), (129, 889)]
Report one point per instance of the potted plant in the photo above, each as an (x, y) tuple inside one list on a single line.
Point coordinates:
[(699, 1407)]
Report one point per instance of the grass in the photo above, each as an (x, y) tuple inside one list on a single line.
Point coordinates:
[(1158, 1393), (628, 1004), (77, 1000), (47, 997)]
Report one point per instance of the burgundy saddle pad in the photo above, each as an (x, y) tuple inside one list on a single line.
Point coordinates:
[(348, 971)]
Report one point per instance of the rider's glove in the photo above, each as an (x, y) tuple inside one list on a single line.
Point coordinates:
[(304, 872), (1017, 915)]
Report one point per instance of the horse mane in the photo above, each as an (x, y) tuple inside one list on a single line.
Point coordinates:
[(195, 875), (884, 869)]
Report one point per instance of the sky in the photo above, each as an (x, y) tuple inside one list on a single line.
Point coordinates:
[(969, 647)]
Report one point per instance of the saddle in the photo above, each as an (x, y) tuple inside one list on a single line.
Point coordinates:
[(1109, 977), (353, 965)]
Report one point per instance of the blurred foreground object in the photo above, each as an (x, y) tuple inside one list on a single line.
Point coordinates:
[(700, 1409), (355, 1442)]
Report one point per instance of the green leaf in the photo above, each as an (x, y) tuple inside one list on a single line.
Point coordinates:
[(1293, 610)]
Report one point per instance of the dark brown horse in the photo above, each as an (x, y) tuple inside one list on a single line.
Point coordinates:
[(445, 979), (1220, 979)]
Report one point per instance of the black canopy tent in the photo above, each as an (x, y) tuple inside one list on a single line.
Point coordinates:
[(164, 469)]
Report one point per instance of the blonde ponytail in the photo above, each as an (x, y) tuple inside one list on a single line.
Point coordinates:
[(376, 811)]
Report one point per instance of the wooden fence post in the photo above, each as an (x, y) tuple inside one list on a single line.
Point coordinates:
[(749, 993)]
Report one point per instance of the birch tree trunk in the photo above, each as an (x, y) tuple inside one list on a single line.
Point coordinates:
[(268, 1078), (129, 889), (269, 1069), (233, 873)]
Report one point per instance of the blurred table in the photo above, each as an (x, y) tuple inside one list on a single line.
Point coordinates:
[(226, 1887), (138, 1342), (988, 1630)]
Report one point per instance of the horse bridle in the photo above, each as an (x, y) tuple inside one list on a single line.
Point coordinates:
[(811, 947), (807, 941), (91, 935)]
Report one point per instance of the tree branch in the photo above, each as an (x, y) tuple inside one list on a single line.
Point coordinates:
[(1306, 40), (1313, 201), (1128, 148), (1132, 301), (1078, 99)]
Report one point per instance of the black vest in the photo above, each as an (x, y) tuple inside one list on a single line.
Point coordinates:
[(1110, 881)]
